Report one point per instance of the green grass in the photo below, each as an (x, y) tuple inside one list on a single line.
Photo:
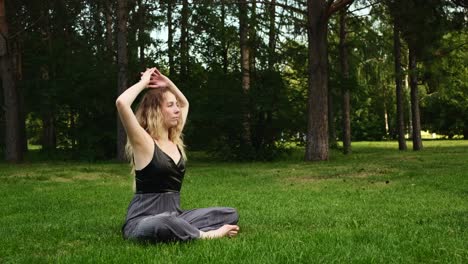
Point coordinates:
[(377, 205)]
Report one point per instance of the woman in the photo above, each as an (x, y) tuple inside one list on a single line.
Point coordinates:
[(158, 157)]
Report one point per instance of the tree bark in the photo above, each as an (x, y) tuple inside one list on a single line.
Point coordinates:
[(13, 148), (252, 40), (245, 70), (268, 135), (141, 29), (109, 31), (170, 38), (184, 46), (331, 122), (224, 45), (18, 66), (416, 123), (122, 62), (399, 88), (346, 93), (97, 9), (48, 141), (49, 138), (465, 131), (272, 35), (317, 105)]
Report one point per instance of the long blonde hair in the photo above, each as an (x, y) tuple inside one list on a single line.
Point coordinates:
[(150, 117)]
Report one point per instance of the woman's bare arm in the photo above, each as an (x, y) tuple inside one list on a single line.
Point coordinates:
[(136, 134)]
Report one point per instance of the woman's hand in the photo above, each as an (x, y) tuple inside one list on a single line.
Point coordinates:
[(146, 76), (158, 80)]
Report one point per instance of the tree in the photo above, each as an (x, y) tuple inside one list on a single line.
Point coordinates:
[(346, 93), (318, 13), (415, 116), (445, 109), (184, 43), (245, 71), (420, 23), (109, 31), (13, 150), (122, 62), (170, 38), (400, 122)]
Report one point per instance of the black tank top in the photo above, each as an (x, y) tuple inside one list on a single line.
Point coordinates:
[(161, 174)]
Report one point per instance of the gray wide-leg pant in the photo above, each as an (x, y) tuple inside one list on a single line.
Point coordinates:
[(174, 224)]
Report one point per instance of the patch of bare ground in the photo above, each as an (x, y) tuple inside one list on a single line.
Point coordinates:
[(358, 174), (89, 176)]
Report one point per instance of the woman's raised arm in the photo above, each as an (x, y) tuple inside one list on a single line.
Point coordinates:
[(136, 134)]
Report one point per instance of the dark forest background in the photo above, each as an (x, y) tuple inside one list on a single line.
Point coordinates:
[(261, 76)]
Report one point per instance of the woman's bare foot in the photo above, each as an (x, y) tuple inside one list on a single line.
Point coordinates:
[(225, 230)]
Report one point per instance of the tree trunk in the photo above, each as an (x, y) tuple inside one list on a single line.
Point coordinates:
[(141, 29), (406, 104), (13, 149), (317, 105), (18, 66), (224, 45), (465, 131), (245, 70), (184, 47), (346, 93), (417, 142), (272, 35), (252, 40), (96, 12), (268, 132), (122, 62), (399, 88), (47, 70), (72, 133), (170, 38), (49, 141), (331, 121), (109, 32)]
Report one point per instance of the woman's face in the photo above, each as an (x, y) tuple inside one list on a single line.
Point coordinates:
[(170, 110)]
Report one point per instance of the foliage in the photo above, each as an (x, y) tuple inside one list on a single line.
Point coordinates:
[(69, 74), (445, 109)]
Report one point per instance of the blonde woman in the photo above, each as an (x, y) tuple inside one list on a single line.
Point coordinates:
[(156, 150)]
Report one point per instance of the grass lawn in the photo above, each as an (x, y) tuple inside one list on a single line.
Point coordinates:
[(377, 205)]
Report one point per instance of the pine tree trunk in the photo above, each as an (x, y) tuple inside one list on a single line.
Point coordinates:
[(252, 40), (224, 45), (18, 66), (346, 93), (245, 70), (399, 89), (109, 31), (49, 141), (13, 148), (272, 35), (465, 131), (317, 101), (141, 28), (170, 38), (96, 12), (416, 123), (184, 46), (257, 133), (268, 133), (122, 62), (331, 122)]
